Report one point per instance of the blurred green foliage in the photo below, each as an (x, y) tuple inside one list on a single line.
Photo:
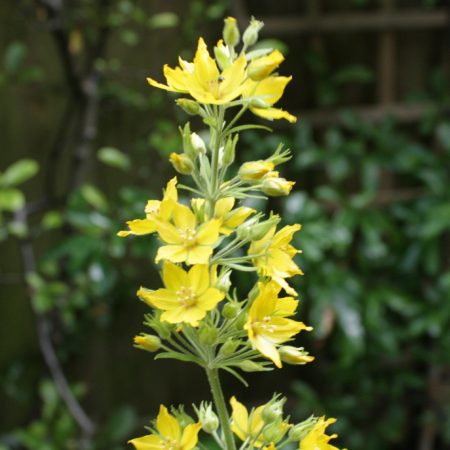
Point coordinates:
[(373, 198)]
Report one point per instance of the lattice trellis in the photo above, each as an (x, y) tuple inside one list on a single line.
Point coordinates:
[(387, 21)]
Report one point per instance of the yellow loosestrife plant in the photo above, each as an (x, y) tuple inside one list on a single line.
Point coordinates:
[(197, 316)]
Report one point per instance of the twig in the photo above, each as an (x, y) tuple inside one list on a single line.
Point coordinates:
[(45, 341)]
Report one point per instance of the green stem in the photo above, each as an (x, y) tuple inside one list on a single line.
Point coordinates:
[(221, 407)]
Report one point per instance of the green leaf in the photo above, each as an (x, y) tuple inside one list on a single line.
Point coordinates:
[(11, 199), (14, 56), (19, 172), (113, 157), (94, 197), (163, 20), (52, 220)]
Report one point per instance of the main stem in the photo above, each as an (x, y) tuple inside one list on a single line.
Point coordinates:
[(221, 407)]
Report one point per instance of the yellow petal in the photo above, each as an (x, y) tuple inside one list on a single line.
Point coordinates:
[(204, 66), (223, 206), (183, 217), (173, 276), (273, 113), (176, 79), (167, 232), (198, 278), (167, 425), (189, 315), (271, 89), (210, 299), (268, 349), (140, 227), (161, 298), (149, 442), (174, 253), (198, 255), (208, 233), (190, 436), (154, 83), (239, 417)]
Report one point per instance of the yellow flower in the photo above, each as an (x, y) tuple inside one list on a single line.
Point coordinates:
[(154, 208), (181, 163), (203, 80), (316, 439), (277, 262), (187, 241), (223, 210), (294, 355), (254, 171), (169, 436), (275, 186), (267, 324), (262, 67), (187, 296), (245, 426), (269, 91)]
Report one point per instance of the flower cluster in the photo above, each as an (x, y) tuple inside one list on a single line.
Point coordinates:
[(197, 316)]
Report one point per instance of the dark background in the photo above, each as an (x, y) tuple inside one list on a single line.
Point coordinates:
[(372, 165)]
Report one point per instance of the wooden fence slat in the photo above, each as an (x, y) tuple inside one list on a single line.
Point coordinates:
[(396, 20)]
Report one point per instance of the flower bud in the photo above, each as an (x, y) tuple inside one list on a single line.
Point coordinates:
[(273, 411), (198, 143), (251, 366), (187, 144), (259, 230), (231, 34), (181, 163), (253, 171), (240, 321), (190, 107), (230, 310), (208, 418), (147, 342), (230, 346), (299, 431), (261, 68), (275, 431), (257, 102), (230, 150), (250, 35), (275, 186), (223, 283), (183, 418), (294, 355), (222, 55), (207, 334)]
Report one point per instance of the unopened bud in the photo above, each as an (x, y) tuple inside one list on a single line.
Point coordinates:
[(294, 355), (257, 102), (207, 334), (261, 68), (183, 418), (251, 366), (230, 310), (230, 150), (299, 431), (190, 107), (231, 34), (222, 55), (181, 163), (275, 431), (198, 143), (259, 230), (187, 144), (223, 282), (273, 411), (147, 342), (208, 418), (275, 186), (240, 321), (229, 347), (253, 171), (250, 35)]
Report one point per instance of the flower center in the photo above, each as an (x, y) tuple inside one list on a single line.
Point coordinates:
[(188, 235), (169, 444), (187, 296)]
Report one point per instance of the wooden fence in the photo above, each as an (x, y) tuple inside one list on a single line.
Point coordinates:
[(308, 19)]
